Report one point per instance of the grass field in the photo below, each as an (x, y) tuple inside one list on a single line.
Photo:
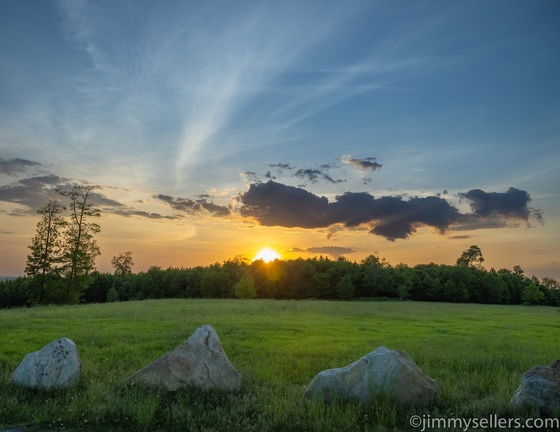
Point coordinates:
[(476, 353)]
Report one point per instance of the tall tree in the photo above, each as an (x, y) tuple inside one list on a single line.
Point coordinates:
[(472, 257), (81, 249), (44, 262), (123, 263)]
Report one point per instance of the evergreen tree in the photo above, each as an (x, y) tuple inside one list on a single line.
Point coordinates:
[(44, 262)]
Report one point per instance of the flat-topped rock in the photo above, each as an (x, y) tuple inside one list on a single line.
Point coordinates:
[(383, 372), (199, 362), (56, 365)]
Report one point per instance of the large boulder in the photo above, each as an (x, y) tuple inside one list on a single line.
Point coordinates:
[(199, 362), (381, 373), (57, 365), (540, 387)]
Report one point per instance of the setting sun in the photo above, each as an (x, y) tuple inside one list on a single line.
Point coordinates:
[(267, 255)]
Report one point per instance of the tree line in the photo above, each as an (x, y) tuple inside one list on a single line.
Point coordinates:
[(314, 278), (61, 269)]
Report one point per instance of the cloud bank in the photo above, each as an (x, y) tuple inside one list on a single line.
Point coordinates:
[(392, 217)]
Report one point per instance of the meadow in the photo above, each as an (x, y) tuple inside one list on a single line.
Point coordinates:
[(476, 353)]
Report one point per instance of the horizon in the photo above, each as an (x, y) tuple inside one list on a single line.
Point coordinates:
[(215, 129)]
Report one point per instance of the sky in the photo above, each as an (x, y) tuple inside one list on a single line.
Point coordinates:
[(212, 129)]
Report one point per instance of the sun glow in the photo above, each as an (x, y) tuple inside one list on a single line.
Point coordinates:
[(267, 255)]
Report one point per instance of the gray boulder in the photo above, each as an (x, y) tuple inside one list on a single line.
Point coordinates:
[(199, 362), (381, 373), (56, 365), (540, 387)]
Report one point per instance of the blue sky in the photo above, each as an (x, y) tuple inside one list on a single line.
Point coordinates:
[(197, 119)]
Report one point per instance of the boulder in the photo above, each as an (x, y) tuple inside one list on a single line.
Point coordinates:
[(199, 362), (381, 373), (57, 365), (540, 387)]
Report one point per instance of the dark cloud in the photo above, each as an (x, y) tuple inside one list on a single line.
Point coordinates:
[(310, 174), (32, 192), (512, 204), (392, 217), (189, 206), (368, 163), (334, 251), (314, 175), (470, 222), (281, 166), (275, 204), (251, 176), (15, 166)]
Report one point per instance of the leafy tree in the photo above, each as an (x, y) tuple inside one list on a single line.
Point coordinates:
[(404, 279), (15, 292), (550, 283), (81, 249), (96, 291), (112, 295), (345, 288), (532, 295), (245, 287), (375, 276), (44, 262), (216, 283), (472, 257), (123, 263)]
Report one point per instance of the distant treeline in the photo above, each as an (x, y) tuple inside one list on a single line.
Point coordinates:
[(317, 278)]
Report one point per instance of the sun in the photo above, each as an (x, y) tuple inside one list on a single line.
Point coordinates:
[(267, 255)]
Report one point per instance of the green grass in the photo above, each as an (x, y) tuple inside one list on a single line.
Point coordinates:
[(476, 353)]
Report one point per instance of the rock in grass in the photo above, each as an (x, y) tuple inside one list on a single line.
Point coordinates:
[(381, 373), (540, 387), (199, 362), (57, 365)]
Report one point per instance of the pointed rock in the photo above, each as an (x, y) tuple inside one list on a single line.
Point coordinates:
[(56, 365), (383, 372), (199, 362), (540, 387)]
